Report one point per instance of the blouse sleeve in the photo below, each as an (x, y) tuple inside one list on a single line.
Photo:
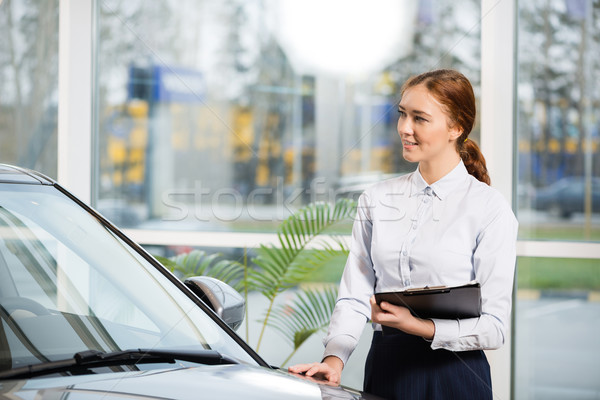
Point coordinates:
[(352, 309), (494, 262)]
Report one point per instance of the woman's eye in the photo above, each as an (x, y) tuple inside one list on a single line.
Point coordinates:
[(402, 113), (420, 119)]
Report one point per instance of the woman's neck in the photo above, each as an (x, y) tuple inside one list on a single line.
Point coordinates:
[(433, 171)]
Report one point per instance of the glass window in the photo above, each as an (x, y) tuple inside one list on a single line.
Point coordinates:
[(558, 198), (29, 84), (556, 338), (223, 116), (558, 125), (229, 116)]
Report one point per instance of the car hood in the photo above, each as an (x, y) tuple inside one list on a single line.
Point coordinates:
[(210, 382)]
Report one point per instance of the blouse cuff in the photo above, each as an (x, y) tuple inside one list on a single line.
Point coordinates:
[(340, 346), (446, 332)]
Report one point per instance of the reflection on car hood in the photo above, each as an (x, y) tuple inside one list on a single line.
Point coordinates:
[(210, 382)]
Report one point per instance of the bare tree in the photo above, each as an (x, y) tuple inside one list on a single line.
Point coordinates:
[(29, 70)]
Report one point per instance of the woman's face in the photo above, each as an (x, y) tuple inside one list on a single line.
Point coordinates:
[(423, 127)]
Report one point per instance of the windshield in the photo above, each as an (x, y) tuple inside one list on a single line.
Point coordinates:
[(68, 284)]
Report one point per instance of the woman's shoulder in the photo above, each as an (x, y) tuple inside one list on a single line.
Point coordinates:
[(483, 190), (488, 198)]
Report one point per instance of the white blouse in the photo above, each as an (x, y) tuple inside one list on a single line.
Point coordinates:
[(411, 234)]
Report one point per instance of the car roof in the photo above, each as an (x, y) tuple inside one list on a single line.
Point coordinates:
[(13, 174)]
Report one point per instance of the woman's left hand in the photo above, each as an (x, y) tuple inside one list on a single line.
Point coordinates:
[(400, 318)]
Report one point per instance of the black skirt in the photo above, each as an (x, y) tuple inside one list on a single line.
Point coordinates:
[(402, 366)]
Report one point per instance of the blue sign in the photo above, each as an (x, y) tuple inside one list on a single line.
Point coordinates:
[(166, 84), (178, 85)]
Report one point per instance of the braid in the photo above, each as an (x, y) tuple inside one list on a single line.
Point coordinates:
[(473, 159)]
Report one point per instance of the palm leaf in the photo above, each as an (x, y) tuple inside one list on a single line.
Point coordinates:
[(307, 314), (279, 268), (198, 262)]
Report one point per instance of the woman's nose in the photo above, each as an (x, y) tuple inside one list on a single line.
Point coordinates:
[(404, 126)]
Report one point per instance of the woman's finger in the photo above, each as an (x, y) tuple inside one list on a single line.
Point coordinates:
[(300, 368), (315, 369)]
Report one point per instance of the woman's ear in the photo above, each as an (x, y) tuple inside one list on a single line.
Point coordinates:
[(455, 132)]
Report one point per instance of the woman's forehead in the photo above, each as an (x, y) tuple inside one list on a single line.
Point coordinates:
[(419, 98)]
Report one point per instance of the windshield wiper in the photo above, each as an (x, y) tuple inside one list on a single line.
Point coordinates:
[(84, 360)]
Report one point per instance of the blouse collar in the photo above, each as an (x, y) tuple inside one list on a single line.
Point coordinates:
[(442, 187)]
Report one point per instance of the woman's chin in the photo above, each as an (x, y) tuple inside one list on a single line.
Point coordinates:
[(409, 156)]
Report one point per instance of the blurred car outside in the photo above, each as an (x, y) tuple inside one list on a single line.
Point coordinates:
[(566, 196)]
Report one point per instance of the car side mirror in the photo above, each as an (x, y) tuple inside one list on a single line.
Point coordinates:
[(225, 301)]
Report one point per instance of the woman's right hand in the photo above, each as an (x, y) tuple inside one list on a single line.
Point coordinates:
[(329, 370)]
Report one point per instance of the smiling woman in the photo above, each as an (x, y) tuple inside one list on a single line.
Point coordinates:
[(443, 206)]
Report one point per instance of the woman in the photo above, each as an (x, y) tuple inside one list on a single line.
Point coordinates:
[(440, 225)]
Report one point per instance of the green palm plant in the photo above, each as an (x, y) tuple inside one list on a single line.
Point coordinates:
[(307, 314), (278, 268)]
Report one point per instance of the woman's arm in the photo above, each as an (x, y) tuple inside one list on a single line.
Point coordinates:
[(352, 309)]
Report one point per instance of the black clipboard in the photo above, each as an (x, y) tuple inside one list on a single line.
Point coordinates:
[(445, 302)]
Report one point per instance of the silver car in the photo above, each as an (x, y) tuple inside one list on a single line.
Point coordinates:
[(87, 313)]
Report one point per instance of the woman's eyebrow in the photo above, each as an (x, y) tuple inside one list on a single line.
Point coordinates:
[(418, 112)]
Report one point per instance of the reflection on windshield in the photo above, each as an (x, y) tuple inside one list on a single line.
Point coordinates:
[(67, 284)]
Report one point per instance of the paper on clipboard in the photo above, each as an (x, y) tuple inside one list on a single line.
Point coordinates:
[(445, 302)]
